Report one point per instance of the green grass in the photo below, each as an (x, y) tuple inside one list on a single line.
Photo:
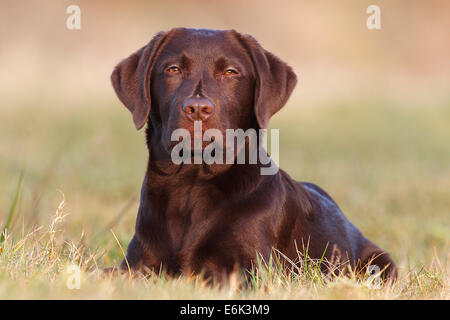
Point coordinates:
[(387, 165)]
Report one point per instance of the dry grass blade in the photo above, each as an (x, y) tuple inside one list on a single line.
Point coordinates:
[(14, 204)]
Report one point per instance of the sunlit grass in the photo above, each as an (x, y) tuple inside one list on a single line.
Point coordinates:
[(36, 265), (387, 166)]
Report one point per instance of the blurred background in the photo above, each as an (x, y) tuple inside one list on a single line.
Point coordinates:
[(369, 120)]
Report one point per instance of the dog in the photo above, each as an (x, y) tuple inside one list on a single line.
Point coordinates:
[(210, 219)]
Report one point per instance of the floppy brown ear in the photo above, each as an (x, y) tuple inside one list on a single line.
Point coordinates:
[(131, 80), (275, 81)]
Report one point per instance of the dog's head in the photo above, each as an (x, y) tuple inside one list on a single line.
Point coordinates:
[(222, 78)]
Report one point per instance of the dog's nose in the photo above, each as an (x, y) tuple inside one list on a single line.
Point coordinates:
[(198, 108)]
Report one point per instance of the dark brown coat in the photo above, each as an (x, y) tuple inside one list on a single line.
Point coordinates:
[(195, 217)]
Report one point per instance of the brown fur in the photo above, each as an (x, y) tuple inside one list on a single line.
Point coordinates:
[(195, 218)]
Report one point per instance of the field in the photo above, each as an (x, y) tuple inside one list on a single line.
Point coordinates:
[(70, 177)]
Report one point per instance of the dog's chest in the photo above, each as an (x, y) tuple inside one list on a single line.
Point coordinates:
[(187, 225)]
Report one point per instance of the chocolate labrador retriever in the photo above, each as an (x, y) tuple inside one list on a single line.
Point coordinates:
[(209, 218)]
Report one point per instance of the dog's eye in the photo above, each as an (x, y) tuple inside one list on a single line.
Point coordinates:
[(230, 72), (173, 69)]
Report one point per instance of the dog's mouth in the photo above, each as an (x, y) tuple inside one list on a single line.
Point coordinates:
[(197, 142), (206, 150), (197, 151)]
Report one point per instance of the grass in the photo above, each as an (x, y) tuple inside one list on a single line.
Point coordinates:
[(13, 207), (387, 165)]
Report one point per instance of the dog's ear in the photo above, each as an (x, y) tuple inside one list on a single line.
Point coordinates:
[(274, 81), (131, 80)]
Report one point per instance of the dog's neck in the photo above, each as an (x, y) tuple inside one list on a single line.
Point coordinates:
[(227, 180), (226, 176)]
